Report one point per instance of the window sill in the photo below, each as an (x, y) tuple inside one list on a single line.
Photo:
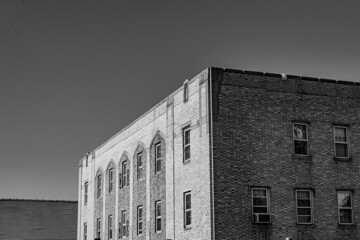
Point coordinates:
[(302, 157), (186, 162), (343, 159), (187, 228), (350, 225)]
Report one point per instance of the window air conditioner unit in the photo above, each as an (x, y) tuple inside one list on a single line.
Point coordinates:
[(261, 218)]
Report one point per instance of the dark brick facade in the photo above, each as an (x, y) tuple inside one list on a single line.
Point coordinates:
[(253, 147), (37, 219)]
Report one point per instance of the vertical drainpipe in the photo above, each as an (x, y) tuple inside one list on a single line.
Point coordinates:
[(211, 155)]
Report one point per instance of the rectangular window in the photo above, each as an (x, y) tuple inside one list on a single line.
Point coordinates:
[(85, 231), (186, 92), (186, 143), (300, 136), (125, 174), (111, 179), (124, 225), (158, 216), (98, 228), (187, 209), (139, 220), (304, 206), (341, 142), (98, 186), (110, 227), (140, 166), (158, 157), (260, 205), (86, 186), (345, 207)]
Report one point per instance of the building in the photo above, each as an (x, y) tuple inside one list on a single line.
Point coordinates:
[(231, 154), (22, 219)]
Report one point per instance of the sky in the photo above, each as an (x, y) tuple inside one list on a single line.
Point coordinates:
[(73, 73)]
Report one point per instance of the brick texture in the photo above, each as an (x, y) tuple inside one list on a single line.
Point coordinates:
[(253, 147)]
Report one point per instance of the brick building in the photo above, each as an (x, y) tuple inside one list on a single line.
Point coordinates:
[(231, 154), (24, 219)]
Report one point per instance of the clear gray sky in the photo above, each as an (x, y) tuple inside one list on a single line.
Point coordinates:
[(73, 73)]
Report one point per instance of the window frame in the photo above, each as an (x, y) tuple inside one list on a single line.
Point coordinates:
[(125, 173), (85, 231), (139, 158), (311, 196), (110, 228), (347, 141), (86, 192), (267, 190), (185, 145), (139, 231), (157, 157), (98, 186), (186, 210), (111, 180), (123, 224), (158, 217), (186, 92), (307, 138), (98, 227), (346, 208)]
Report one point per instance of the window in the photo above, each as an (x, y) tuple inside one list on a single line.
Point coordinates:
[(300, 139), (260, 205), (186, 91), (341, 142), (123, 225), (345, 207), (85, 231), (140, 168), (125, 174), (158, 216), (98, 186), (304, 206), (187, 209), (111, 179), (186, 143), (110, 227), (139, 220), (98, 228), (86, 186), (158, 157)]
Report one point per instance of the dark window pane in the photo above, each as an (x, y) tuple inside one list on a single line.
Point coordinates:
[(341, 150), (187, 152), (345, 216), (259, 209), (303, 203), (158, 224), (301, 147), (259, 202), (188, 218), (304, 211)]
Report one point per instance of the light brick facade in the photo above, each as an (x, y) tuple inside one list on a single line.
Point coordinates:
[(241, 139)]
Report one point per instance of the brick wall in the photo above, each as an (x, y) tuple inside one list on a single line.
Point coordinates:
[(37, 219), (253, 115)]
